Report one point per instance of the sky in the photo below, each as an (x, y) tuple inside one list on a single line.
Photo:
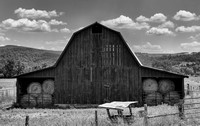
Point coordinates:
[(149, 26)]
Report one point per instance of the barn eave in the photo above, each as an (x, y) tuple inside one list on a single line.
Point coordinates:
[(24, 74), (168, 72)]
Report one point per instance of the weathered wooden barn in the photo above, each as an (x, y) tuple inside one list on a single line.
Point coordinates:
[(97, 66)]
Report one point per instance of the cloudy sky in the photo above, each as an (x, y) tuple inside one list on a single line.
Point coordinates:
[(152, 26)]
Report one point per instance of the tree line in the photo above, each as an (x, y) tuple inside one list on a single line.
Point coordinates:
[(13, 68)]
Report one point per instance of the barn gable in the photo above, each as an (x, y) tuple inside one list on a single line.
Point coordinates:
[(86, 35)]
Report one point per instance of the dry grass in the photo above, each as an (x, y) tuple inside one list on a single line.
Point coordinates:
[(83, 117)]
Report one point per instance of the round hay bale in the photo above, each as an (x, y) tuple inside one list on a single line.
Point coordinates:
[(172, 98), (166, 86), (28, 101), (153, 99), (48, 86), (34, 89), (44, 100), (150, 86)]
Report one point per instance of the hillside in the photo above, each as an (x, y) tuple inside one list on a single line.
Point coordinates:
[(30, 57)]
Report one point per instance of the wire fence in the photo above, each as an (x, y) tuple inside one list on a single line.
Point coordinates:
[(188, 106), (7, 97)]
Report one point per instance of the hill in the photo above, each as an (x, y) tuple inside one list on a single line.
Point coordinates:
[(30, 57)]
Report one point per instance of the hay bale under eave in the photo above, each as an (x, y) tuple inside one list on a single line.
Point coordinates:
[(172, 98), (153, 99), (165, 86), (34, 89), (44, 100), (48, 86), (28, 101), (150, 86)]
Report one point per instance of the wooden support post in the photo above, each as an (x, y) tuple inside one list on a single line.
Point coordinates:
[(130, 111), (108, 112), (96, 118), (145, 115), (27, 120)]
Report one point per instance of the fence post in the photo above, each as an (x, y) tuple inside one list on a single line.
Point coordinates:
[(27, 120), (96, 118), (188, 88), (181, 109), (145, 115)]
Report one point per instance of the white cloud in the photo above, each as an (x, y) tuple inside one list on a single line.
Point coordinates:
[(57, 42), (159, 31), (55, 22), (3, 38), (167, 24), (35, 14), (191, 47), (25, 24), (2, 34), (188, 29), (148, 48), (65, 30), (158, 17), (142, 18), (41, 47), (125, 22), (195, 37), (185, 16)]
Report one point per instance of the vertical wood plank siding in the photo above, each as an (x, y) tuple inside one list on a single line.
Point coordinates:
[(104, 55), (95, 68)]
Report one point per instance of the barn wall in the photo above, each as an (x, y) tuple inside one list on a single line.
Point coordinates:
[(96, 68)]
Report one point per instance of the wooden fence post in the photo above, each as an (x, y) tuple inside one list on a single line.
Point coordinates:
[(188, 88), (145, 115), (181, 109), (96, 118), (27, 120)]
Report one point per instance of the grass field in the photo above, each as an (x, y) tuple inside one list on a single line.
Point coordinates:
[(85, 117), (82, 117)]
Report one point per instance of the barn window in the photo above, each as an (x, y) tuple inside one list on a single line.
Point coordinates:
[(96, 29), (112, 55)]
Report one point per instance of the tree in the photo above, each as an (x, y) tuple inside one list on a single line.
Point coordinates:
[(165, 65), (12, 68), (39, 67)]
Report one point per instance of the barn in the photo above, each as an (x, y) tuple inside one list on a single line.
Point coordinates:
[(98, 66)]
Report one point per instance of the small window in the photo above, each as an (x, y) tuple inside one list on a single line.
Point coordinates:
[(96, 29)]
